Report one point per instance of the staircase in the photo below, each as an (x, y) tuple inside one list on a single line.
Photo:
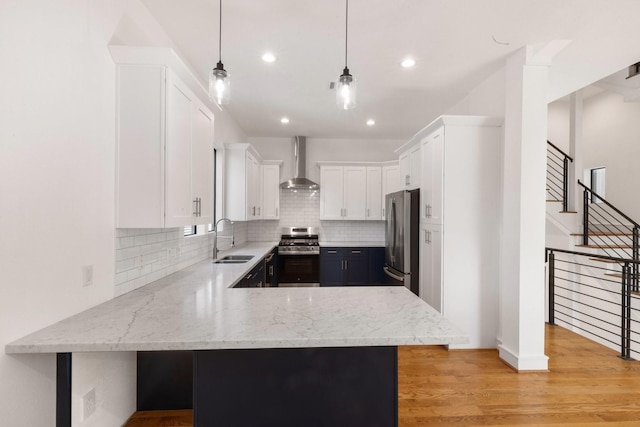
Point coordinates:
[(598, 267)]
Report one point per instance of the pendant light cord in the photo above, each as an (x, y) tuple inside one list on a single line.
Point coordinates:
[(346, 33), (220, 35)]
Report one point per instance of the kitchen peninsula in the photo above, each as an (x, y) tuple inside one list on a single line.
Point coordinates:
[(330, 351)]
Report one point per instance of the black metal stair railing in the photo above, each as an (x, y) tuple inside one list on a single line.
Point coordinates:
[(600, 301), (557, 175), (607, 228)]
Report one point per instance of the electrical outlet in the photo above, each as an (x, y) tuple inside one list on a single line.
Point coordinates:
[(87, 275), (89, 403)]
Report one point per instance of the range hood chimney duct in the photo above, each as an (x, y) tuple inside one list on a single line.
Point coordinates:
[(299, 181)]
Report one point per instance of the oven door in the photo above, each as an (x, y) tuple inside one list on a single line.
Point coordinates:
[(298, 270)]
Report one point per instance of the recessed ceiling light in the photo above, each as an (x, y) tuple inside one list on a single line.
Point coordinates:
[(284, 120), (268, 57), (408, 63), (371, 122)]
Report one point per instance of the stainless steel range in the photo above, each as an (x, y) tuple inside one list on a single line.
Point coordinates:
[(299, 257)]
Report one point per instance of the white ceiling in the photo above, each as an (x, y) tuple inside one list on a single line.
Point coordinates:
[(451, 40)]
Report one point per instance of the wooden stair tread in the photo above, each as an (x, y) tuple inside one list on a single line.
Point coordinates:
[(572, 212), (600, 233), (604, 246), (169, 418), (554, 200), (618, 275), (608, 261)]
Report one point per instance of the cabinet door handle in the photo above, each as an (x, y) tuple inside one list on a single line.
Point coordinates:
[(407, 179), (368, 212), (356, 252), (199, 206), (276, 211), (332, 252), (346, 264), (271, 270), (425, 236), (382, 211), (195, 207)]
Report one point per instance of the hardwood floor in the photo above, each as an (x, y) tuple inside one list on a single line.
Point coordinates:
[(586, 385)]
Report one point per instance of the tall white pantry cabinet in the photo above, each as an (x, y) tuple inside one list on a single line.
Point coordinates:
[(459, 220), (164, 142)]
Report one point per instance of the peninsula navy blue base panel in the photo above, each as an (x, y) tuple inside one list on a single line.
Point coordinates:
[(344, 386), (63, 390)]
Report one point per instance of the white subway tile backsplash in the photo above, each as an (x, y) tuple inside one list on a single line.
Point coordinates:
[(302, 208), (146, 255)]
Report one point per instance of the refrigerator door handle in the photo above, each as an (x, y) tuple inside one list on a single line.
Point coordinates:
[(392, 275)]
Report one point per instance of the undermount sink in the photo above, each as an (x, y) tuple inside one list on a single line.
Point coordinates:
[(233, 259)]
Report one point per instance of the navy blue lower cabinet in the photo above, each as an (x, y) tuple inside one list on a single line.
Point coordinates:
[(376, 266), (351, 266), (331, 266), (356, 266)]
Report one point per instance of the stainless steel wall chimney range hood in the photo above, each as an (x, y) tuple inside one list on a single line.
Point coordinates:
[(299, 181)]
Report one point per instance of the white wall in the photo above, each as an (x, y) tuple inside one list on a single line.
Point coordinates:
[(486, 99), (57, 174), (611, 133)]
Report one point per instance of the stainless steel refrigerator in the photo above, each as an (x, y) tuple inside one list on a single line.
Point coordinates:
[(402, 231)]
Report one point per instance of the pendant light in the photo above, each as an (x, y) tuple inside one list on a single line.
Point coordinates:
[(346, 84), (219, 87)]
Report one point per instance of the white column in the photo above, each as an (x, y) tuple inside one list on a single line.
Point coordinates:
[(522, 269), (575, 151)]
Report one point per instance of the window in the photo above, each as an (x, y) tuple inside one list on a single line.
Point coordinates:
[(597, 184), (189, 230), (217, 192)]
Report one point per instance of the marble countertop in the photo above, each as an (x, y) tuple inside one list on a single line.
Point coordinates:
[(195, 309), (376, 244)]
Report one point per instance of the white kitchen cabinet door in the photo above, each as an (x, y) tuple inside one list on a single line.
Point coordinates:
[(331, 192), (390, 183), (415, 162), (431, 289), (253, 187), (271, 192), (405, 171), (202, 164), (374, 192), (180, 207), (355, 192), (432, 178), (164, 143), (410, 167)]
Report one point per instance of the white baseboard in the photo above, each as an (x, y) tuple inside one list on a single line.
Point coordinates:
[(524, 363)]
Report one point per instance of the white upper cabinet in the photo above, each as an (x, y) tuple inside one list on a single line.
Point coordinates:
[(242, 177), (410, 161), (271, 190), (432, 178), (164, 149), (252, 189), (374, 193), (390, 182), (343, 192)]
